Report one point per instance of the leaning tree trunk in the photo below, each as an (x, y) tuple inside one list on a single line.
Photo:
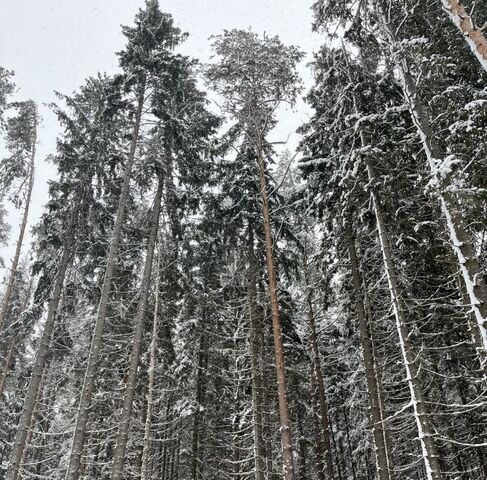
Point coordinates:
[(460, 242), (320, 383), (258, 418), (119, 455), (73, 470), (421, 414), (286, 436), (42, 353), (152, 365), (20, 239), (381, 453), (473, 36)]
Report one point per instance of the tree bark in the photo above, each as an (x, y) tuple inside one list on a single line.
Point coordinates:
[(320, 383), (119, 455), (42, 353), (286, 436), (381, 454), (73, 472), (259, 448), (152, 366), (421, 414), (20, 239), (473, 36), (460, 242)]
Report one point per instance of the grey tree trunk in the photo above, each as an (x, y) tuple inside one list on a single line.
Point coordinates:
[(259, 448), (41, 356), (119, 455), (381, 452), (13, 340), (460, 242), (73, 470), (320, 383), (20, 239), (425, 430), (152, 366)]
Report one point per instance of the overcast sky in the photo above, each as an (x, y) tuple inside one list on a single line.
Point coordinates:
[(54, 45)]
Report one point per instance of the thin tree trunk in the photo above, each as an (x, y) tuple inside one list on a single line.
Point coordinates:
[(381, 453), (152, 366), (200, 392), (286, 436), (42, 352), (259, 449), (473, 36), (460, 242), (35, 416), (421, 414), (73, 472), (319, 450), (347, 433), (119, 455), (20, 239), (13, 341), (8, 361), (320, 383), (380, 390)]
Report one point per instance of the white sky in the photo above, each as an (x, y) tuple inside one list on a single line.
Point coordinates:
[(54, 45)]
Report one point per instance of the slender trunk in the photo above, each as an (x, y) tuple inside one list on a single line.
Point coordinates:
[(13, 341), (320, 383), (8, 362), (200, 390), (347, 433), (119, 455), (473, 36), (460, 242), (259, 449), (152, 366), (319, 450), (421, 414), (35, 416), (472, 325), (286, 436), (380, 390), (381, 453), (20, 239), (73, 470), (42, 353)]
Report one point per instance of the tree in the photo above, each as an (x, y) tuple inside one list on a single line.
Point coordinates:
[(18, 178), (255, 76)]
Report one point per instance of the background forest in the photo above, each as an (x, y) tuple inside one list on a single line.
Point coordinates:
[(201, 302)]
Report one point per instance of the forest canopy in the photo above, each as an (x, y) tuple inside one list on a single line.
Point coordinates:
[(197, 303)]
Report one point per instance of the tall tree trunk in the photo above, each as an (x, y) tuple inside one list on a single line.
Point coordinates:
[(320, 383), (42, 352), (380, 390), (319, 450), (259, 448), (421, 414), (381, 454), (460, 242), (196, 461), (152, 365), (286, 436), (473, 36), (13, 341), (73, 472), (119, 455), (20, 239)]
